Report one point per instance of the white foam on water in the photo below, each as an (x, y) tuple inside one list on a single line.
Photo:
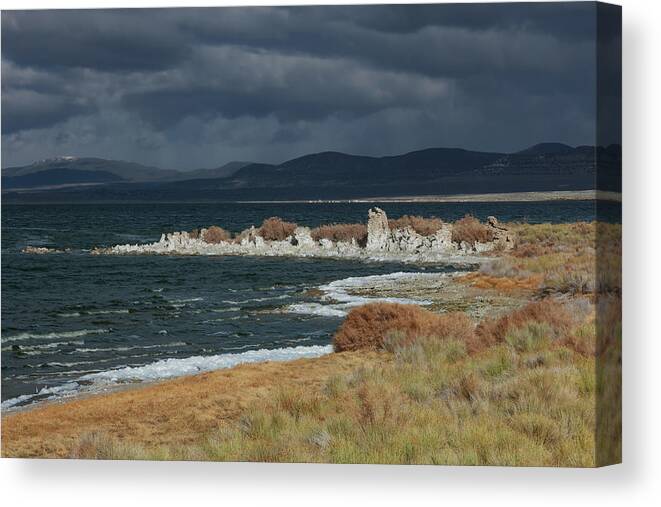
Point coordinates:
[(167, 369), (132, 347), (44, 348), (337, 300), (105, 312), (171, 368), (317, 309), (186, 300), (225, 310), (256, 300), (51, 336), (93, 312), (61, 391)]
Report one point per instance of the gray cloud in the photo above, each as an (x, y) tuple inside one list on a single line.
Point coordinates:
[(199, 87), (235, 82)]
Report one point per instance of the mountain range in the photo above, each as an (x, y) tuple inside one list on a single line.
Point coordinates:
[(326, 175)]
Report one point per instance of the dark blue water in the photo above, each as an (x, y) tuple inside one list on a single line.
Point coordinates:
[(69, 316)]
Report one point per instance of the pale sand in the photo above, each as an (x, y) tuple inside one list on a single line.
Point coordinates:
[(561, 195)]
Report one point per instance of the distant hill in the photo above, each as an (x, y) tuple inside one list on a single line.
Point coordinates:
[(58, 177), (217, 172), (334, 175), (70, 171), (129, 171)]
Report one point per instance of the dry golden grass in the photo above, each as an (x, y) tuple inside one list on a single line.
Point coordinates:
[(609, 379), (471, 230), (276, 229), (549, 312), (540, 386), (578, 258), (421, 225), (341, 232), (370, 326), (527, 400), (215, 235), (501, 283), (525, 404), (176, 412)]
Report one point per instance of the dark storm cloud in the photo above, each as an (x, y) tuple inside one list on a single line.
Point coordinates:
[(192, 86), (96, 39), (32, 99), (424, 39), (289, 87)]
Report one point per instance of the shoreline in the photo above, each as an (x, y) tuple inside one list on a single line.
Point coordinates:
[(436, 291), (555, 195), (150, 412), (533, 196), (229, 413)]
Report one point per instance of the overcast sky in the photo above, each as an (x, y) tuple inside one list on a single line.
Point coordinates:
[(190, 88)]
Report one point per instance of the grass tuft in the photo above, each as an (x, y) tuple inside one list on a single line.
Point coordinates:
[(215, 235), (276, 229), (421, 225), (470, 230), (376, 325), (341, 232)]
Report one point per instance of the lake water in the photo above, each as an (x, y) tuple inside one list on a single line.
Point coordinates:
[(74, 321)]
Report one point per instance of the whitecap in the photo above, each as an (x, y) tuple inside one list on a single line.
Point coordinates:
[(53, 335), (132, 347), (186, 300), (256, 300), (37, 349), (337, 300), (170, 368), (104, 312), (167, 369)]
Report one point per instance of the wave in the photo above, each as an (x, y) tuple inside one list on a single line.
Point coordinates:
[(54, 335), (165, 369), (337, 300), (185, 300), (131, 347), (104, 312), (40, 349), (94, 312), (256, 300)]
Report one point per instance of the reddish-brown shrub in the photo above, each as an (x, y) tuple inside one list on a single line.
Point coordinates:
[(194, 234), (341, 232), (492, 331), (215, 234), (366, 327), (470, 230), (421, 225), (276, 229)]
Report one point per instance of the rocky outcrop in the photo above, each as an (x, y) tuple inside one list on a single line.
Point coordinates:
[(405, 245), (378, 232), (504, 239), (41, 250), (303, 238)]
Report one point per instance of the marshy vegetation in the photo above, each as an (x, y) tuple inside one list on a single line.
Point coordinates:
[(341, 232), (215, 234), (276, 229), (572, 259), (538, 386), (470, 230), (519, 390), (421, 225)]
